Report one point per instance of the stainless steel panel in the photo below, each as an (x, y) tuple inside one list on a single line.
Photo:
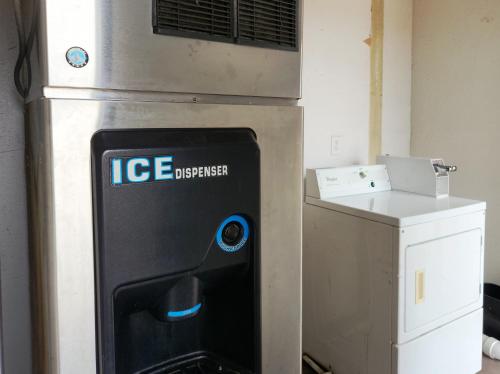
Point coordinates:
[(124, 54), (93, 94), (59, 137)]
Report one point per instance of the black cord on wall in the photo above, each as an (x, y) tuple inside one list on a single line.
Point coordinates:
[(22, 70)]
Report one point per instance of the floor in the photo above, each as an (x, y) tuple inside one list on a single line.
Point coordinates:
[(489, 367), (307, 370)]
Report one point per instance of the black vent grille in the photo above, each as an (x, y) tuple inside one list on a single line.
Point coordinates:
[(264, 23), (207, 19), (268, 22)]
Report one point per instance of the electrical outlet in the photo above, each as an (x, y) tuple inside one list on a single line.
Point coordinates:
[(336, 145)]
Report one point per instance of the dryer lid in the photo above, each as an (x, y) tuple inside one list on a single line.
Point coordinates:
[(397, 208)]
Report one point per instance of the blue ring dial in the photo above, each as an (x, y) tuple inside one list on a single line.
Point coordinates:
[(244, 237)]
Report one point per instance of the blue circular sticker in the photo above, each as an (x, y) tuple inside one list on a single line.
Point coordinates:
[(77, 57)]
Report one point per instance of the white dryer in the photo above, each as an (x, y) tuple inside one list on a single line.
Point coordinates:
[(392, 280)]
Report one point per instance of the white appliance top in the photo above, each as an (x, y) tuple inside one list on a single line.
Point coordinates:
[(397, 208), (365, 191)]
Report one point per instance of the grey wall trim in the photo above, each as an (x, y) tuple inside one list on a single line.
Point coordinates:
[(14, 265)]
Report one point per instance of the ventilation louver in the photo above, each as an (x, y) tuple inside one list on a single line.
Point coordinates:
[(205, 19), (264, 23), (268, 22)]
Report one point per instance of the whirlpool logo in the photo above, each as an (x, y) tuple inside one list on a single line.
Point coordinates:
[(158, 169)]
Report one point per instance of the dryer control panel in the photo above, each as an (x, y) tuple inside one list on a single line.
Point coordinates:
[(347, 181)]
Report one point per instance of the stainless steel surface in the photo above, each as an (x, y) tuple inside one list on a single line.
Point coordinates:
[(165, 97), (124, 54), (59, 136), (136, 79)]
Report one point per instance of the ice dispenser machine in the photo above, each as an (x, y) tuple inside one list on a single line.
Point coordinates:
[(161, 240), (176, 225)]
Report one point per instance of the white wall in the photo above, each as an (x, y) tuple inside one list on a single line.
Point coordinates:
[(396, 111), (336, 79), (456, 100)]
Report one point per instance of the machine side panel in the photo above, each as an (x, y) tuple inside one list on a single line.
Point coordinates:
[(39, 159), (66, 279), (347, 291), (396, 238)]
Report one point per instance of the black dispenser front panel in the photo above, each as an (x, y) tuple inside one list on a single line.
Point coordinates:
[(176, 216)]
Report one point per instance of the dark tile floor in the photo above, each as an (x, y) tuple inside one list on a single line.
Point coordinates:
[(307, 370)]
